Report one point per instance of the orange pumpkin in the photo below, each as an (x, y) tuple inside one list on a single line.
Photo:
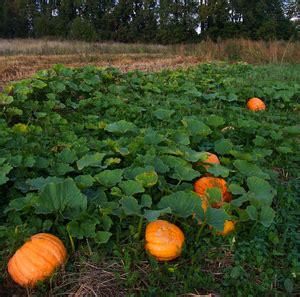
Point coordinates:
[(207, 182), (211, 159), (164, 240), (228, 228), (37, 259), (256, 104)]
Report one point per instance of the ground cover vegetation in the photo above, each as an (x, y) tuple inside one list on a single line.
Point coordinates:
[(93, 155), (149, 21)]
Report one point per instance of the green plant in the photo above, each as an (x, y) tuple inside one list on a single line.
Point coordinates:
[(92, 155)]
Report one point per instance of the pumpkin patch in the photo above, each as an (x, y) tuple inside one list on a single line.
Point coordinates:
[(140, 178)]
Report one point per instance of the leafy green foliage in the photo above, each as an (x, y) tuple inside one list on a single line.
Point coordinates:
[(106, 152)]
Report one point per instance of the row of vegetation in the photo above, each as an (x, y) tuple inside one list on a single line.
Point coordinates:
[(150, 21), (109, 162)]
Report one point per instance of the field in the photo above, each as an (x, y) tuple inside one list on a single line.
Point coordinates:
[(21, 58), (92, 155)]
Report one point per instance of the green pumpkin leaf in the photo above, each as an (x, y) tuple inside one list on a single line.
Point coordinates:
[(4, 170), (130, 206), (163, 114), (153, 215), (147, 179), (214, 195), (146, 200), (262, 190), (84, 229), (267, 216), (19, 204), (196, 127), (5, 99), (239, 201), (61, 169), (57, 87), (249, 169), (216, 217), (218, 170), (293, 130), (102, 237), (109, 178), (183, 204), (236, 189), (153, 137), (84, 181), (252, 212), (41, 163), (39, 182), (121, 127), (93, 160), (67, 156), (215, 121), (284, 149), (223, 146), (288, 285), (131, 187), (185, 173), (38, 84), (61, 198)]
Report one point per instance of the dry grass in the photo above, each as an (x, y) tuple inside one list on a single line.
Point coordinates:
[(100, 279), (110, 279), (18, 67), (20, 58)]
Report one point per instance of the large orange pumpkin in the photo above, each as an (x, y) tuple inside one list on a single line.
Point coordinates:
[(37, 259), (164, 240), (207, 182), (256, 104), (211, 159)]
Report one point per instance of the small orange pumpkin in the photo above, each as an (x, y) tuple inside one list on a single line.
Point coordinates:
[(211, 159), (164, 240), (36, 259), (256, 104), (228, 228), (207, 182)]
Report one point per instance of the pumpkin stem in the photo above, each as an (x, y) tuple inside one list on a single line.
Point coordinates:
[(200, 230), (139, 231), (71, 240)]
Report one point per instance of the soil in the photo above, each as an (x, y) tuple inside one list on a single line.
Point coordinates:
[(13, 68)]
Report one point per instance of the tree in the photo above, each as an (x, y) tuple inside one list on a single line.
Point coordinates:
[(263, 19), (14, 18), (177, 21)]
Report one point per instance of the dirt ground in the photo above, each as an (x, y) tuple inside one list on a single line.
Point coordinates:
[(14, 68)]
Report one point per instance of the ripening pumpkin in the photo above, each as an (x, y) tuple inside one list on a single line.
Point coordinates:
[(211, 159), (37, 259), (228, 228), (256, 104), (164, 240), (207, 182)]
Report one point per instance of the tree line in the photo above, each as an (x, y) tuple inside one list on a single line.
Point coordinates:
[(155, 21)]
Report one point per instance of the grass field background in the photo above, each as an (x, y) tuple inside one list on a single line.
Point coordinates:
[(20, 58)]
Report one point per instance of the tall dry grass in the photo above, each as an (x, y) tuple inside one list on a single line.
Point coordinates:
[(256, 52)]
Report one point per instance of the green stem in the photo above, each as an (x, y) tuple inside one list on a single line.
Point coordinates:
[(200, 230), (71, 241), (139, 231), (89, 248)]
